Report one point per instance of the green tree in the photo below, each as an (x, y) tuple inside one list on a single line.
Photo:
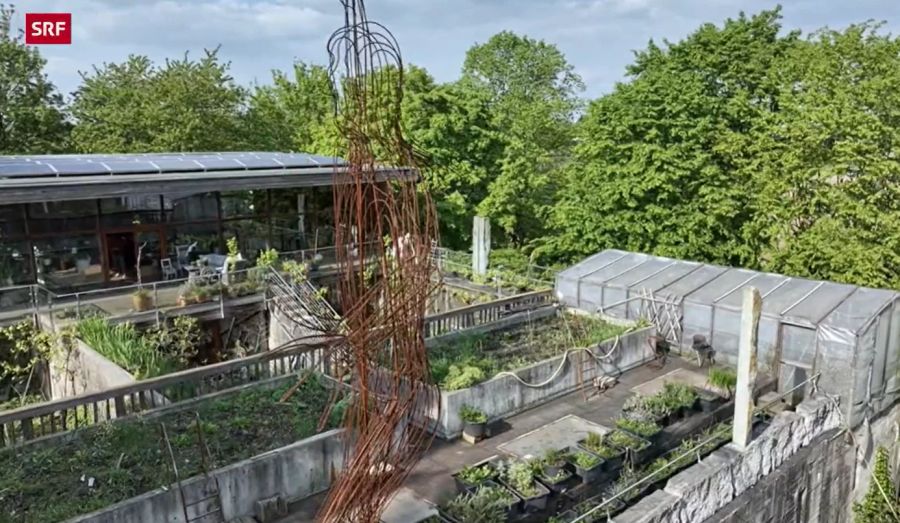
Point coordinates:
[(452, 126), (828, 186), (290, 114), (880, 505), (657, 165), (532, 93), (31, 114), (184, 105)]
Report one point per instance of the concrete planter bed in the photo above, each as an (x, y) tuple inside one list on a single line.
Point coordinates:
[(101, 468), (512, 391)]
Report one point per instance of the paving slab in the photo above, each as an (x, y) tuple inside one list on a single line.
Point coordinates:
[(560, 434), (407, 507)]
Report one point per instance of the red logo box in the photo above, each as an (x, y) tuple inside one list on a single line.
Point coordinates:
[(48, 28)]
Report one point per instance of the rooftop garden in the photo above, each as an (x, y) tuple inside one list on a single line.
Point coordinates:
[(468, 360), (95, 467)]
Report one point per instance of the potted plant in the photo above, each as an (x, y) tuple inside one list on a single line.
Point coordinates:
[(489, 503), (633, 446), (723, 380), (472, 476), (649, 407), (682, 397), (556, 483), (554, 460), (612, 456), (474, 421), (141, 300), (519, 477), (643, 428), (709, 400), (588, 465)]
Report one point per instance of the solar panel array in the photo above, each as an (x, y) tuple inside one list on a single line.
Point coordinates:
[(125, 164)]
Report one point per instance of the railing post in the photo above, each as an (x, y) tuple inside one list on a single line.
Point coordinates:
[(156, 299)]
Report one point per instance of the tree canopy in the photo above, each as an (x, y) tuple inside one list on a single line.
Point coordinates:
[(32, 120), (136, 106)]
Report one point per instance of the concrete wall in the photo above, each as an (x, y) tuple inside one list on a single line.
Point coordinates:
[(296, 471), (699, 492), (505, 395), (84, 370)]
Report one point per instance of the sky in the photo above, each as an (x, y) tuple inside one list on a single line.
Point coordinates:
[(256, 36)]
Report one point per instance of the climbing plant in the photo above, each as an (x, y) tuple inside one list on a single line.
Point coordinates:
[(880, 505)]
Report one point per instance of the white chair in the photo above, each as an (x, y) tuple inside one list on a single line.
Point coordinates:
[(168, 270)]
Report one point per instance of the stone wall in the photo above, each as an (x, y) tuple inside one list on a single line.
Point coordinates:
[(722, 485), (505, 395), (84, 370), (294, 472)]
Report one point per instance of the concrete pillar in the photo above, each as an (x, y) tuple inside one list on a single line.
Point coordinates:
[(481, 245), (746, 369)]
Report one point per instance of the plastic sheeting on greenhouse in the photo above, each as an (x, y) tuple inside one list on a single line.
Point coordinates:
[(849, 334)]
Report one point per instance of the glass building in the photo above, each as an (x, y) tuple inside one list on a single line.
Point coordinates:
[(79, 222)]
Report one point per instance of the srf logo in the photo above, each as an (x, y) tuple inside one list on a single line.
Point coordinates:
[(48, 28)]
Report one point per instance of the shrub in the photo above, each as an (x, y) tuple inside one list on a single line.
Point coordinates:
[(485, 505), (643, 428), (475, 475), (520, 476), (585, 460), (472, 415), (462, 377), (880, 503)]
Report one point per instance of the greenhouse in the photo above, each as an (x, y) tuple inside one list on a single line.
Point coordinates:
[(849, 334)]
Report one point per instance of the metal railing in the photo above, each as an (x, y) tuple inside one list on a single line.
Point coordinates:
[(534, 277), (52, 417), (654, 476), (482, 313)]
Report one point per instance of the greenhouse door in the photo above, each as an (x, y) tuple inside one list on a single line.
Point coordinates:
[(795, 360)]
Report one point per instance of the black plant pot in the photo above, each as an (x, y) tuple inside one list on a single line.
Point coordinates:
[(474, 430), (588, 475), (559, 486), (709, 400), (536, 502), (554, 469), (515, 507)]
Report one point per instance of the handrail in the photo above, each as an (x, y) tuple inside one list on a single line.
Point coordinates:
[(151, 393), (490, 305)]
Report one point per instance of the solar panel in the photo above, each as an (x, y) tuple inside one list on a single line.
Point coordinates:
[(124, 164)]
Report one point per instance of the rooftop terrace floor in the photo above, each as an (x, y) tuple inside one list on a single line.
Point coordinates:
[(431, 479)]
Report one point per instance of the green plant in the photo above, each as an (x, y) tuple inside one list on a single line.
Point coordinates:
[(234, 252), (486, 505), (596, 444), (22, 346), (470, 414), (585, 460), (475, 475), (178, 339), (296, 271), (267, 258), (554, 457), (126, 347), (880, 504), (723, 379), (643, 428), (462, 377), (623, 440), (520, 476)]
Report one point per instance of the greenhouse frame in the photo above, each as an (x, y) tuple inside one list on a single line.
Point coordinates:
[(848, 334)]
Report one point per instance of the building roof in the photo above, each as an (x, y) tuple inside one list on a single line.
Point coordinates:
[(61, 177), (797, 300)]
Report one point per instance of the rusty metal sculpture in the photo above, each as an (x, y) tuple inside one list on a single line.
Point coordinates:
[(385, 234)]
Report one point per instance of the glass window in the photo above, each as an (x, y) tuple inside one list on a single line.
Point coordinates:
[(199, 238), (55, 217), (15, 263), (68, 262), (191, 207), (130, 210), (252, 236), (12, 221), (243, 203)]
